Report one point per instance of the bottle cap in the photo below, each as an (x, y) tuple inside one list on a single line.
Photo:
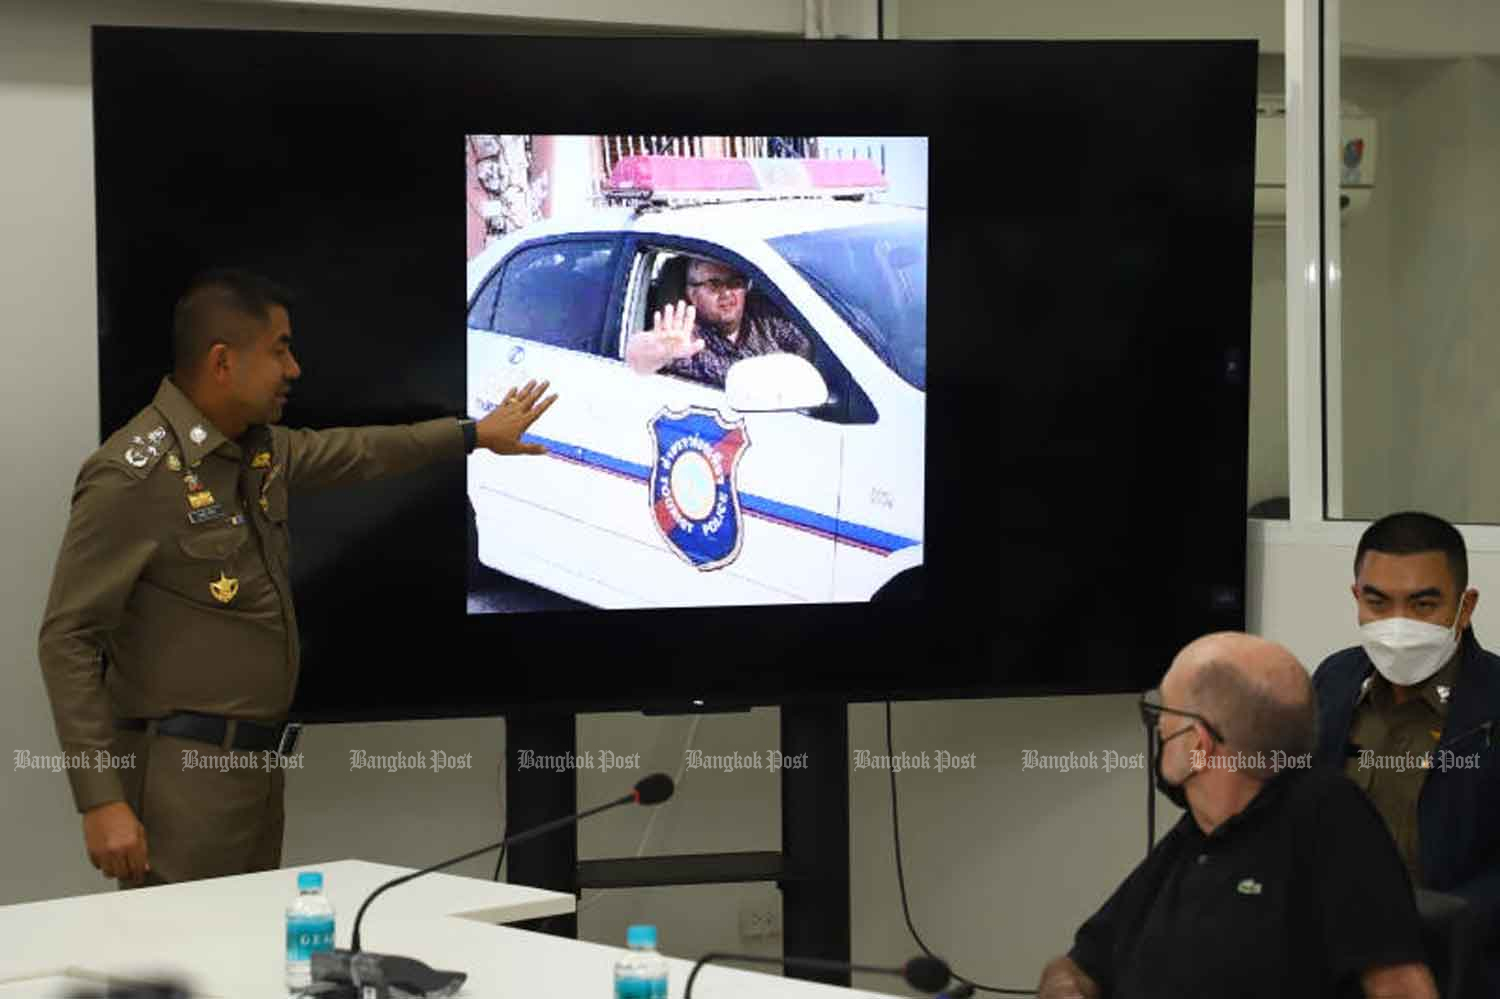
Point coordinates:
[(310, 881), (641, 936)]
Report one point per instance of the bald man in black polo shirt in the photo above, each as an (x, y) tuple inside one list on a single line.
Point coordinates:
[(1279, 881)]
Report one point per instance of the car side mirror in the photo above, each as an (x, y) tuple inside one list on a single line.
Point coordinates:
[(773, 383)]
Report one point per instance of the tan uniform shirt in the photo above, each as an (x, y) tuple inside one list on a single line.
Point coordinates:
[(1397, 737), (174, 570)]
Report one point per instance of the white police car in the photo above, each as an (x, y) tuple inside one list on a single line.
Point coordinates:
[(794, 482)]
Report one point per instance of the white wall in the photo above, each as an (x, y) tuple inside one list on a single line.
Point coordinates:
[(768, 16), (1002, 863), (1433, 27), (1076, 19)]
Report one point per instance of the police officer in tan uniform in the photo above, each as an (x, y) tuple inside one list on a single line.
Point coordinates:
[(169, 644), (1410, 715)]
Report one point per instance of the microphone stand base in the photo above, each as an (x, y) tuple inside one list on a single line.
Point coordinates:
[(363, 975)]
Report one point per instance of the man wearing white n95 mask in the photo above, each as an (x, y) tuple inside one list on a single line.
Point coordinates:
[(1409, 713)]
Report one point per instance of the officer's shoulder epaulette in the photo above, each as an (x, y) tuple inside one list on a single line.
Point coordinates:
[(140, 445)]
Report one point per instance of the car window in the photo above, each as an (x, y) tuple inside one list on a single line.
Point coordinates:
[(875, 277), (668, 284), (661, 275), (482, 312), (555, 293)]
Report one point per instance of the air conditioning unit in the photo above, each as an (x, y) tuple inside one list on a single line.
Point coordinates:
[(1357, 148)]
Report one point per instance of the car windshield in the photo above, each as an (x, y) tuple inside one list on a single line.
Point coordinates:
[(875, 277)]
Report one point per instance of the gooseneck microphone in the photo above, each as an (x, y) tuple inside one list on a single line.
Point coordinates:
[(652, 790), (349, 966), (925, 974)]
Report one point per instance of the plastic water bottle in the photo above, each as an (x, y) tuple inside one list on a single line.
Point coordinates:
[(309, 929), (641, 974)]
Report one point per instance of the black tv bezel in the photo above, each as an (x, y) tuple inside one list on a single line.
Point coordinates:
[(259, 106)]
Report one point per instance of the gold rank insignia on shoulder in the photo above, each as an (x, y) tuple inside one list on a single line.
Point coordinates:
[(173, 462), (200, 499), (262, 459), (224, 588)]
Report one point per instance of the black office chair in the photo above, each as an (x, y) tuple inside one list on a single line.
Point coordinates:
[(1452, 937)]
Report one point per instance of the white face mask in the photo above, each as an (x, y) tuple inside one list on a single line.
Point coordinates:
[(1406, 652)]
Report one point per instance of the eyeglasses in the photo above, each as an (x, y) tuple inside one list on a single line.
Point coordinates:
[(1152, 708), (717, 285)]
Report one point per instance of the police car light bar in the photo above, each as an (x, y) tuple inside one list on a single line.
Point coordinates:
[(686, 179)]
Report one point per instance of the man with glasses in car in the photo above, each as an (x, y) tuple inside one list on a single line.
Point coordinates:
[(1280, 879), (702, 337)]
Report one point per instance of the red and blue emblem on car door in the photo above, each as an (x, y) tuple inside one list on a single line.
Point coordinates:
[(695, 498)]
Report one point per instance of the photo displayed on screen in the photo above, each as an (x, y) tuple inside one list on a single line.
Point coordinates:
[(736, 328)]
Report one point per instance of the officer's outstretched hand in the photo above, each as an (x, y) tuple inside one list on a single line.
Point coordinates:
[(669, 339), (116, 841), (501, 430)]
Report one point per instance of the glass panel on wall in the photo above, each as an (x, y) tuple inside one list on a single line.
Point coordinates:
[(1268, 472), (1413, 408)]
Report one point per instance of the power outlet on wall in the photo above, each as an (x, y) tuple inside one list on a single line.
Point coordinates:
[(760, 917)]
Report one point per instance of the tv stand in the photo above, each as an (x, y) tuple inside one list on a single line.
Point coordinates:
[(811, 869)]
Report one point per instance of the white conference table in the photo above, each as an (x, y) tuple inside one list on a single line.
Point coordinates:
[(224, 937)]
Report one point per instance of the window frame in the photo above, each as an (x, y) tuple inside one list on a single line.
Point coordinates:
[(857, 407), (1314, 281), (608, 321)]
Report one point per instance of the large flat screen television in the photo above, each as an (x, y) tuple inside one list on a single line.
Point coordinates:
[(960, 409)]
